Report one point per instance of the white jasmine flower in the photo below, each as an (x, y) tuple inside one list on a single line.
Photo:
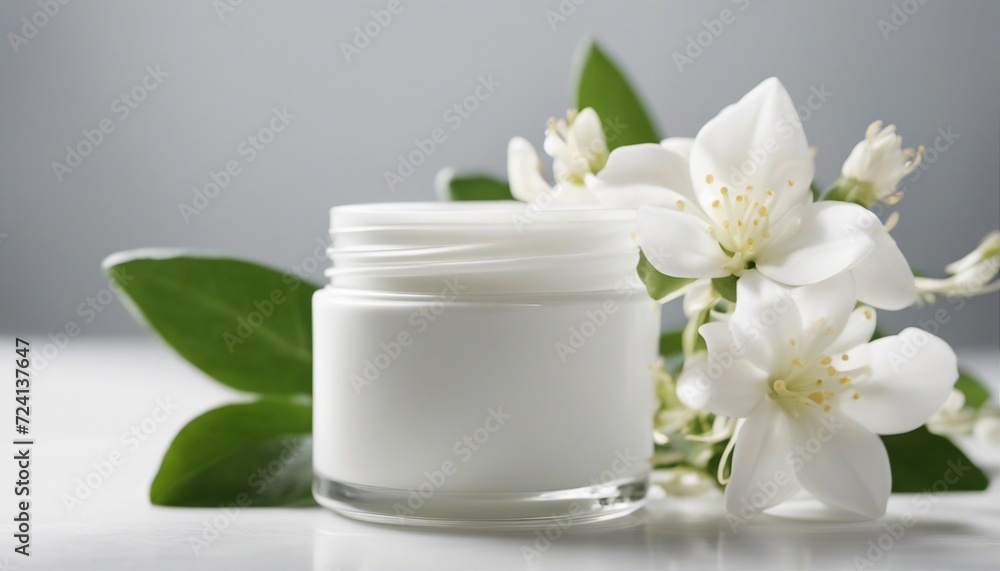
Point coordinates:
[(743, 200), (796, 365), (972, 275), (875, 167), (577, 147)]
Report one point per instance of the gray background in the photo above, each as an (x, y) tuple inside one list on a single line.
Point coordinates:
[(938, 70)]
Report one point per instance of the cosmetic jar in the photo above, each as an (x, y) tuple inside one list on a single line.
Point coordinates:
[(482, 363)]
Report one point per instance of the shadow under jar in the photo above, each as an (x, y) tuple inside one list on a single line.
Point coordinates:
[(482, 363)]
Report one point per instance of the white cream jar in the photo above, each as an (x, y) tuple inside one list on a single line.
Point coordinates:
[(482, 363)]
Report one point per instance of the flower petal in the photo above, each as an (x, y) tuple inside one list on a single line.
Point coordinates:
[(680, 145), (699, 295), (722, 383), (679, 245), (818, 241), (586, 136), (524, 171), (635, 195), (638, 175), (884, 277), (825, 308), (858, 330), (850, 467), (761, 477), (757, 141), (765, 318), (911, 376)]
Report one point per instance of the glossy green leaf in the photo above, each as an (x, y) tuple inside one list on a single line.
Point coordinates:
[(926, 462), (245, 325), (476, 187), (658, 285), (248, 454), (600, 84), (976, 394)]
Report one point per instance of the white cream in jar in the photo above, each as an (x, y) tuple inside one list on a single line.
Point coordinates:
[(482, 363)]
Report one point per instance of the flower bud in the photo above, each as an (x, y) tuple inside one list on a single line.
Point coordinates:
[(875, 167), (972, 275)]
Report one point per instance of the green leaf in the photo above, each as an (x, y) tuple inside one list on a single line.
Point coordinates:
[(672, 351), (670, 342), (245, 325), (249, 454), (817, 192), (658, 285), (976, 394), (923, 462), (474, 187), (726, 287), (601, 85)]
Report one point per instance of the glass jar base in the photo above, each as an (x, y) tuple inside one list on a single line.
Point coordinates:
[(590, 504)]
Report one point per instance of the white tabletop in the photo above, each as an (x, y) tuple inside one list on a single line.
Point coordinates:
[(95, 390)]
